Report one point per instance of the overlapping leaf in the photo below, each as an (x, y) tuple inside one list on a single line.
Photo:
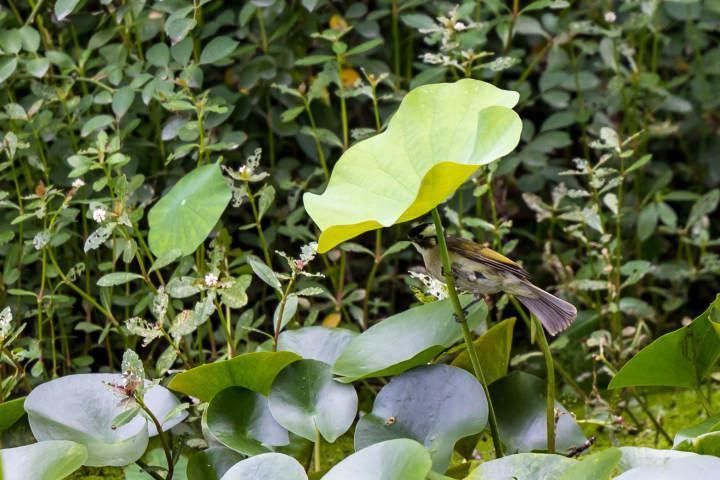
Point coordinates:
[(438, 137)]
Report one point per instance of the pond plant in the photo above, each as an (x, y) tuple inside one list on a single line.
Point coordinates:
[(216, 223)]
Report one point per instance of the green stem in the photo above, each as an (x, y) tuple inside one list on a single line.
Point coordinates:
[(550, 398), (343, 107), (371, 279), (703, 401), (163, 438), (395, 38), (467, 335), (256, 216), (317, 458)]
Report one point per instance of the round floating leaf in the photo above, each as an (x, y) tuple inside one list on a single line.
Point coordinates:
[(598, 466), (438, 137), (211, 464), (697, 467), (49, 460), (316, 343), (241, 420), (682, 358), (254, 371), (530, 466), (425, 331), (10, 412), (82, 408), (519, 401), (185, 216), (633, 457), (268, 466), (305, 399), (392, 460), (435, 405)]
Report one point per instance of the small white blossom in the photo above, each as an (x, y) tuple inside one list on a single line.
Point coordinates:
[(5, 323), (433, 286), (41, 240), (99, 214), (308, 252), (459, 26), (78, 183), (211, 280), (610, 17)]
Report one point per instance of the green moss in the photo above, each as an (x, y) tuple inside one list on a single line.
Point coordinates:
[(93, 473)]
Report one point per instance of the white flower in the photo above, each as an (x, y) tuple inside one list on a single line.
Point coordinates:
[(99, 214), (78, 183), (433, 286), (40, 240), (459, 26), (211, 280), (5, 323), (308, 252), (610, 17)]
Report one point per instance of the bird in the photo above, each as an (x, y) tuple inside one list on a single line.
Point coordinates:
[(479, 270)]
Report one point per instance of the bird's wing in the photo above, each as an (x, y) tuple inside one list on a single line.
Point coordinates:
[(486, 256)]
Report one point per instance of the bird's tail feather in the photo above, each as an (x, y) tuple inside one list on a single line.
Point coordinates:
[(554, 313)]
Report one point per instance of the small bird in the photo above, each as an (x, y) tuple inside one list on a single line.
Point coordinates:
[(480, 270)]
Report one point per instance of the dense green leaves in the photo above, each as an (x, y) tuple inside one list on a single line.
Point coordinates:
[(218, 49), (407, 408), (425, 331), (438, 137), (306, 400), (10, 412), (184, 217), (254, 371), (682, 358)]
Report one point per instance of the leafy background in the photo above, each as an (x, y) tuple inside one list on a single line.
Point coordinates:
[(609, 198)]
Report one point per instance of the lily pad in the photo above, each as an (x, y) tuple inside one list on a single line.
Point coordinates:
[(523, 466), (697, 467), (633, 457), (212, 464), (405, 340), (82, 408), (682, 358), (10, 412), (703, 438), (49, 460), (410, 405), (316, 343), (598, 466), (493, 350), (184, 216), (391, 460), (439, 136), (306, 400), (240, 419), (519, 401), (268, 466), (254, 371)]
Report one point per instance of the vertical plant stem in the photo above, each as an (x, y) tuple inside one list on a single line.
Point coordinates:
[(703, 401), (256, 216), (317, 458), (395, 38), (467, 335), (371, 279), (343, 107), (163, 438)]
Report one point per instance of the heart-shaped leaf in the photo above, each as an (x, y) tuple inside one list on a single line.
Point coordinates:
[(268, 466), (697, 467), (438, 137), (184, 217), (425, 331), (598, 466), (682, 358), (535, 466), (254, 371), (240, 419), (633, 457), (82, 408), (409, 406), (316, 343), (391, 460), (10, 412), (306, 400), (211, 464), (49, 460), (519, 401)]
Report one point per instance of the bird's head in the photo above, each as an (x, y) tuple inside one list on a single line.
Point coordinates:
[(423, 235)]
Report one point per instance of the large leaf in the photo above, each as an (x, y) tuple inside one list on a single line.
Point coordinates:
[(316, 343), (403, 341), (183, 218), (10, 412), (438, 137), (519, 401), (633, 457), (211, 464), (268, 466), (598, 466), (493, 350), (305, 399), (391, 460), (697, 467), (523, 466), (254, 371), (49, 460), (436, 405), (240, 419), (82, 408), (703, 437), (682, 358)]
